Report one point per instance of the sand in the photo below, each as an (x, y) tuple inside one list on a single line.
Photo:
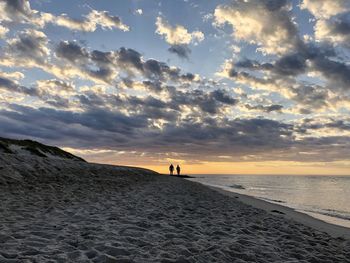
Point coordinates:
[(335, 231), (91, 213)]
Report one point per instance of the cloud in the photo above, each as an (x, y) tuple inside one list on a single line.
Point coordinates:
[(52, 92), (182, 51), (138, 11), (91, 22), (12, 75), (15, 10), (283, 74), (335, 31), (208, 103), (30, 48), (28, 45), (71, 51), (325, 8), (266, 23), (12, 86), (177, 35), (336, 72), (120, 100), (268, 108), (3, 31), (256, 138), (309, 97), (332, 20), (21, 11), (288, 65)]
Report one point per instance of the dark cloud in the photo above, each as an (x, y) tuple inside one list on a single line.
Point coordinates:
[(42, 91), (275, 5), (209, 103), (261, 139), (336, 72), (290, 65), (312, 96), (20, 6), (183, 51), (71, 51), (107, 65), (224, 97), (129, 57), (12, 86), (315, 124), (102, 57), (265, 108), (237, 133), (154, 86), (342, 25), (17, 9)]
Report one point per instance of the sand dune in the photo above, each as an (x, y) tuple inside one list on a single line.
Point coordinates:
[(71, 211)]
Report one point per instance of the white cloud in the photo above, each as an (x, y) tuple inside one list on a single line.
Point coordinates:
[(12, 75), (21, 12), (329, 26), (91, 22), (324, 32), (139, 11), (253, 22), (326, 8), (55, 87), (177, 35), (3, 31)]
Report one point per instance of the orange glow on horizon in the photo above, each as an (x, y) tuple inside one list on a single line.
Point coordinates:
[(271, 168)]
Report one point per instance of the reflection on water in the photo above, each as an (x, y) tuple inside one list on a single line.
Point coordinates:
[(324, 197)]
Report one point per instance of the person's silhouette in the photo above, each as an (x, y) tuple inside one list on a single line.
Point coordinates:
[(178, 169), (171, 169)]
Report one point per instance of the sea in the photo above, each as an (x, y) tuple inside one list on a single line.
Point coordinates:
[(324, 197)]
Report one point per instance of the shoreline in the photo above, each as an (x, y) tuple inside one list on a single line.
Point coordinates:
[(335, 231)]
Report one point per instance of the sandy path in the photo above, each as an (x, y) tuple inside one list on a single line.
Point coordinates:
[(149, 219)]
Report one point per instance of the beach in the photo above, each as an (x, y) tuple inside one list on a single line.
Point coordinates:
[(81, 212)]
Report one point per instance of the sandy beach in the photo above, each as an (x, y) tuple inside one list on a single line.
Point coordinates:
[(72, 211)]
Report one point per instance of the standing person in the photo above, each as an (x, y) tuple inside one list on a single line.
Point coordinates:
[(178, 169), (171, 169)]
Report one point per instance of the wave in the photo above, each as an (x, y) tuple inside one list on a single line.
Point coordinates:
[(333, 213), (336, 214), (272, 200), (237, 186)]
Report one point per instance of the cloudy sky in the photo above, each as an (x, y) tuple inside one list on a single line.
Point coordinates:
[(245, 86)]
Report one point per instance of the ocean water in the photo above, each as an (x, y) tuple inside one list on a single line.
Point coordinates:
[(324, 197)]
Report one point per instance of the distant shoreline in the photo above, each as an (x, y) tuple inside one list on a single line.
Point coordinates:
[(269, 174)]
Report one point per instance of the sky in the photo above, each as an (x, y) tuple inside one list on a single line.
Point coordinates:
[(232, 87)]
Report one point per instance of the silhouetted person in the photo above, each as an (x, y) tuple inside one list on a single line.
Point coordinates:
[(178, 169), (171, 169)]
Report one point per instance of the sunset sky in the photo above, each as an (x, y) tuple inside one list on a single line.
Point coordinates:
[(245, 86)]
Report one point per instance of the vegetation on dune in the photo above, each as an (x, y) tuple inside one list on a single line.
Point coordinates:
[(36, 148), (4, 147)]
